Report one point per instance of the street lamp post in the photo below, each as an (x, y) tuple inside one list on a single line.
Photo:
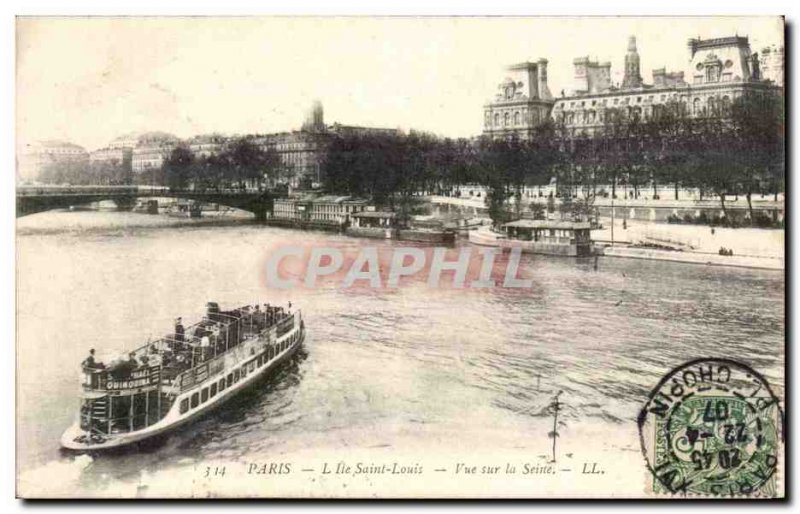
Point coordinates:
[(612, 220)]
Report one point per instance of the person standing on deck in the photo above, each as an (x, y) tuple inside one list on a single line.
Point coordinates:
[(90, 363), (179, 331), (257, 318)]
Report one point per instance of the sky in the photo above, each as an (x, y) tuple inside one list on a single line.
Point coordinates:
[(89, 80)]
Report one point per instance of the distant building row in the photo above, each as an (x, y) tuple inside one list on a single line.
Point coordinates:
[(719, 71), (301, 151)]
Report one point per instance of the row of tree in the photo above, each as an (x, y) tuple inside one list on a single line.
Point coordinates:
[(241, 163), (736, 151)]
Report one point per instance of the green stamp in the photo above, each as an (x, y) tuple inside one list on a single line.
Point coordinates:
[(713, 428)]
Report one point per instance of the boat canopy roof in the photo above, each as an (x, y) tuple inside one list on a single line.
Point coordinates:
[(547, 224)]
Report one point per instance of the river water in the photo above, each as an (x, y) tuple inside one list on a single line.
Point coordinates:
[(379, 368)]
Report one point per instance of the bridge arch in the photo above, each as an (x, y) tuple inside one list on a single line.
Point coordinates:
[(34, 199)]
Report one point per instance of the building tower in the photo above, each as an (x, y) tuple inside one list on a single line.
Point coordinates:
[(523, 102), (314, 119), (632, 78)]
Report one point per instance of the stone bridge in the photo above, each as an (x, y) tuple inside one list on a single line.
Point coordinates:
[(33, 199)]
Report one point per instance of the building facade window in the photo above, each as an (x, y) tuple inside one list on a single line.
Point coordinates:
[(712, 105), (712, 73)]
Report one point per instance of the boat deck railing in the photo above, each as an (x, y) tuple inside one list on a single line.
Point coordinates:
[(185, 359)]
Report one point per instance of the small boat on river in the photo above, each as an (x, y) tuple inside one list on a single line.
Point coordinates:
[(170, 382), (548, 237)]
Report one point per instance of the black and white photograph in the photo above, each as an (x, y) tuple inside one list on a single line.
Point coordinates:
[(400, 257)]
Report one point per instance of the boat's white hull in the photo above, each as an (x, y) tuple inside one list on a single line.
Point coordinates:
[(174, 419), (484, 236)]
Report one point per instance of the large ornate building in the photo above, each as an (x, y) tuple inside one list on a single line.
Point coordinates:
[(522, 102), (718, 71)]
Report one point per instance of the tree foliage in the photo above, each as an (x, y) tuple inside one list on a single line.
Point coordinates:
[(240, 163)]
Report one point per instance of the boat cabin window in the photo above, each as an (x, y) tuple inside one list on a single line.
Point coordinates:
[(260, 360), (252, 366), (195, 400), (214, 389), (222, 384), (236, 376), (204, 395), (230, 379), (184, 405)]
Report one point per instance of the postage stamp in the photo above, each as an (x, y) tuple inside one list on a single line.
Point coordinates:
[(713, 427)]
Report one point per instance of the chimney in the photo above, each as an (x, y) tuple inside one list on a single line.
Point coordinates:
[(533, 82), (544, 91)]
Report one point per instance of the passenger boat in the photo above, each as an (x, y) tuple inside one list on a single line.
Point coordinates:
[(174, 380)]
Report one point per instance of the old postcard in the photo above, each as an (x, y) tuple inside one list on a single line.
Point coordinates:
[(409, 257)]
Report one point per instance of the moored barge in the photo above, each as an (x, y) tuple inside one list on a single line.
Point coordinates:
[(567, 238), (178, 378)]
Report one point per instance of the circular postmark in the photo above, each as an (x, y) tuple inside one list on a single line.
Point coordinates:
[(712, 427)]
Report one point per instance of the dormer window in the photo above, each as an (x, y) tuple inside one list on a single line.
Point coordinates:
[(712, 66)]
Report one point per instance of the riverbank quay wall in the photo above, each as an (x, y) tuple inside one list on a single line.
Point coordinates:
[(643, 210), (738, 261), (662, 212)]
